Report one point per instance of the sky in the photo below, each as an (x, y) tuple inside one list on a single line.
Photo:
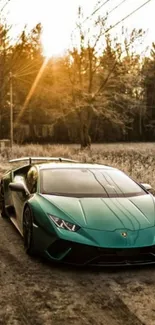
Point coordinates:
[(58, 18)]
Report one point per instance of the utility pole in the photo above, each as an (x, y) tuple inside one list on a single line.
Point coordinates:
[(11, 111)]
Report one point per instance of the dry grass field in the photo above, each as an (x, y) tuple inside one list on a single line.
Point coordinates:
[(35, 292), (137, 160)]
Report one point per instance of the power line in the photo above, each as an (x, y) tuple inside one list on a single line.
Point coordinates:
[(116, 7), (110, 27), (27, 68), (93, 13), (6, 3), (123, 19), (96, 10), (109, 12), (129, 15)]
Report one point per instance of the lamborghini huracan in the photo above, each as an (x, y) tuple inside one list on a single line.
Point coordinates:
[(85, 214)]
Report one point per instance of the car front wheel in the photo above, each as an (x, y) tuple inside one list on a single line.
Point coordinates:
[(28, 231)]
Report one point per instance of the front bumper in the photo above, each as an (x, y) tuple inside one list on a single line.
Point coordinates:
[(79, 254), (58, 247)]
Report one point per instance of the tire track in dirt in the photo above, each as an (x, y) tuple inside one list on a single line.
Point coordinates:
[(15, 310), (13, 269), (138, 293), (110, 302), (36, 292)]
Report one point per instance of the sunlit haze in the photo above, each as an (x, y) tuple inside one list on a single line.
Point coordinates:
[(58, 19)]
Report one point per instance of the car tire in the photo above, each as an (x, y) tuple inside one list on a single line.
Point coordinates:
[(3, 211), (2, 202), (28, 231)]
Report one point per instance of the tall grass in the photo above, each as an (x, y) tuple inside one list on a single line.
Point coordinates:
[(137, 160)]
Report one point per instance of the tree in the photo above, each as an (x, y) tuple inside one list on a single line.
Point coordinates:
[(95, 91), (25, 71), (82, 70), (105, 85), (148, 77), (4, 64)]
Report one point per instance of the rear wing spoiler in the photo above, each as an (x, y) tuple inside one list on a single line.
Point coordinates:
[(31, 159)]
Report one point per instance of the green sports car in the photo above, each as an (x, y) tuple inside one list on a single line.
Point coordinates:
[(85, 214)]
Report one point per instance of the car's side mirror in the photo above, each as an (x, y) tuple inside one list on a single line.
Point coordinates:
[(148, 187), (19, 187)]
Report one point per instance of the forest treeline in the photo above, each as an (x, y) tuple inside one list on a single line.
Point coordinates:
[(100, 90)]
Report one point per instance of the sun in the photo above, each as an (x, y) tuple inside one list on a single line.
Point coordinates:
[(53, 41), (56, 17)]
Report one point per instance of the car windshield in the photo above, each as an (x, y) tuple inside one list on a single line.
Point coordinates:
[(86, 182)]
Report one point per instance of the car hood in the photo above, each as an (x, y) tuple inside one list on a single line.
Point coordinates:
[(108, 214)]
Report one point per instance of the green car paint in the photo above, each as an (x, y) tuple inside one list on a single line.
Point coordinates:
[(108, 225), (117, 223), (104, 213)]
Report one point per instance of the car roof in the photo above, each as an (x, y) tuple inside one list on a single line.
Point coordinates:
[(73, 166)]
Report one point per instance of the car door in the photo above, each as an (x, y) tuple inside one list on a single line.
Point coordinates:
[(19, 199), (7, 178), (30, 180)]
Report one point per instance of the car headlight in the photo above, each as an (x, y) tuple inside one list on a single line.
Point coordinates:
[(60, 223)]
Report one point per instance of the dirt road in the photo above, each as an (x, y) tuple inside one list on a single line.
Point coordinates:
[(35, 292)]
